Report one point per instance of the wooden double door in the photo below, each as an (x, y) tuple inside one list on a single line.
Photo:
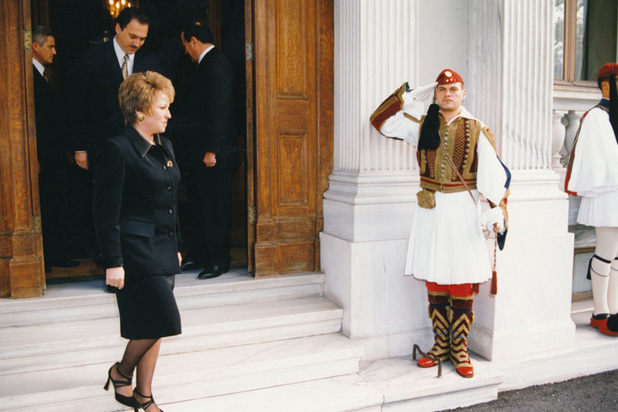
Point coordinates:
[(289, 139)]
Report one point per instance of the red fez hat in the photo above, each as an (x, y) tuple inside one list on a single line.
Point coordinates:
[(608, 69), (449, 76)]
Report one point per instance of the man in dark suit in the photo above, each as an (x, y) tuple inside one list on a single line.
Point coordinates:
[(94, 114), (50, 153), (97, 77), (210, 155)]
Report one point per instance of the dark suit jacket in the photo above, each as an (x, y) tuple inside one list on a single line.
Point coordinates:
[(135, 205), (202, 120), (95, 79), (48, 135)]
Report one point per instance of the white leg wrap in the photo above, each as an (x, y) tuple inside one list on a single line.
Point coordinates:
[(604, 285)]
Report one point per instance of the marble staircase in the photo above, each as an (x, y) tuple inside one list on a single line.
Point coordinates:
[(239, 334), (250, 345), (247, 345)]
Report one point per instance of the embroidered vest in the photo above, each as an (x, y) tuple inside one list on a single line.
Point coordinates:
[(459, 138)]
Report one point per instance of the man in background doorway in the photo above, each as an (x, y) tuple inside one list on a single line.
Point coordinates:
[(50, 152), (210, 157), (95, 113)]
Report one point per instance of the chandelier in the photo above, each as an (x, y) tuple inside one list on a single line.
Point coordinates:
[(116, 6)]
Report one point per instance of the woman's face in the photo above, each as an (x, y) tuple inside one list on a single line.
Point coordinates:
[(155, 119)]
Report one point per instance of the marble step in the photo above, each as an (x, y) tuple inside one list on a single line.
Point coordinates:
[(33, 348), (338, 394), (90, 302), (189, 376), (389, 384), (406, 387)]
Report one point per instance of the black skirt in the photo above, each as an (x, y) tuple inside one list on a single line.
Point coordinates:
[(148, 308)]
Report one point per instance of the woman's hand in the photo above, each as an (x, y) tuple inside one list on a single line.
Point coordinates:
[(115, 277), (179, 259)]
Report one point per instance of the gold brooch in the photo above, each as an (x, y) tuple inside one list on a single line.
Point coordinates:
[(170, 164)]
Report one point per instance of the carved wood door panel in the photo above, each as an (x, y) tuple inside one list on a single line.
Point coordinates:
[(289, 168), (21, 265)]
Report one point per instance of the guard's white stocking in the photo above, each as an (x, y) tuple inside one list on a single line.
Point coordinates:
[(604, 291)]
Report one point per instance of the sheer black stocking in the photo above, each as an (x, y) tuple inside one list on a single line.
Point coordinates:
[(140, 354)]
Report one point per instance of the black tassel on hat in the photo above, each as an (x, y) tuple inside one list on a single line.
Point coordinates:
[(430, 132), (613, 105)]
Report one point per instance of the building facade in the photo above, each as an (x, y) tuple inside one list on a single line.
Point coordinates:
[(505, 50)]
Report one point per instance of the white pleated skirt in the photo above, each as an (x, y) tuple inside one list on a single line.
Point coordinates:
[(599, 210), (446, 243)]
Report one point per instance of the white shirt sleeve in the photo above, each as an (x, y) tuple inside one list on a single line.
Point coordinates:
[(491, 177), (401, 127), (595, 161)]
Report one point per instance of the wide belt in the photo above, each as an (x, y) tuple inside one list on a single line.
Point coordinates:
[(447, 187)]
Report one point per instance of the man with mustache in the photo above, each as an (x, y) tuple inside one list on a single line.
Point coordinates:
[(95, 114)]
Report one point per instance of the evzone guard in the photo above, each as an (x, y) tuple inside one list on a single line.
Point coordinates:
[(593, 174), (457, 160)]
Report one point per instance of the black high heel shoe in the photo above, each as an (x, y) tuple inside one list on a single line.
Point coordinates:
[(129, 401), (146, 404)]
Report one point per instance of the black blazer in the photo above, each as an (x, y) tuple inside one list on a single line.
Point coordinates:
[(48, 135), (94, 82), (202, 119), (135, 205)]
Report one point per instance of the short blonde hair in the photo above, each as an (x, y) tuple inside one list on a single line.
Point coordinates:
[(138, 92)]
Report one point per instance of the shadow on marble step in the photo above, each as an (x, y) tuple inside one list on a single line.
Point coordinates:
[(202, 329), (208, 373)]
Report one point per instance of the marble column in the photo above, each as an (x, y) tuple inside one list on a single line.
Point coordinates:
[(512, 76), (368, 206)]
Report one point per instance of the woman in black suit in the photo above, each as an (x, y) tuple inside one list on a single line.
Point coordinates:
[(135, 217)]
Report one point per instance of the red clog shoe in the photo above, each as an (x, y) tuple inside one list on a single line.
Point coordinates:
[(600, 322), (425, 362), (466, 371)]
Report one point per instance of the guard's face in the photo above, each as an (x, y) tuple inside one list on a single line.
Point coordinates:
[(45, 52), (450, 96), (132, 37)]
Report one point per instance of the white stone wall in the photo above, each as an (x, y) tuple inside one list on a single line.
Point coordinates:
[(503, 50), (367, 209)]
